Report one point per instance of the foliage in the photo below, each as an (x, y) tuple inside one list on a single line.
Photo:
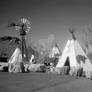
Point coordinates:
[(8, 45)]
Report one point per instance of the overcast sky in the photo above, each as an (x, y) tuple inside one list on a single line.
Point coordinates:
[(48, 17)]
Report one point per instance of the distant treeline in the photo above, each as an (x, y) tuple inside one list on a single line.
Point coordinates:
[(7, 45)]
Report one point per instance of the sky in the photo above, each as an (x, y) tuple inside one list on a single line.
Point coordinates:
[(48, 17)]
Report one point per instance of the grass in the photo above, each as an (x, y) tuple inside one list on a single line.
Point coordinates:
[(42, 82)]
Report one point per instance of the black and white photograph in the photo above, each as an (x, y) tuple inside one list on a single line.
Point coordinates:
[(45, 45)]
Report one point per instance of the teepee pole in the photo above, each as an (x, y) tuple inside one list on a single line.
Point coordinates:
[(71, 30)]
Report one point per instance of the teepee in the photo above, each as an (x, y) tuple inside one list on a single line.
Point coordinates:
[(16, 56), (72, 54), (15, 61), (54, 51)]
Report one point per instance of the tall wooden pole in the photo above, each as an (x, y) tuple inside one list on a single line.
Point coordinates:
[(23, 45), (24, 50)]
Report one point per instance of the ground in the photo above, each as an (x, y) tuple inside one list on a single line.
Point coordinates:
[(42, 82)]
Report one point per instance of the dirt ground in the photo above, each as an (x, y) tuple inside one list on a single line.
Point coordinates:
[(42, 82)]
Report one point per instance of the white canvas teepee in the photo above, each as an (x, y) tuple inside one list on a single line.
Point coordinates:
[(15, 61), (54, 51), (72, 55), (16, 56)]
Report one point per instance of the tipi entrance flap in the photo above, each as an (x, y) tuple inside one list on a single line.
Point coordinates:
[(67, 62)]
